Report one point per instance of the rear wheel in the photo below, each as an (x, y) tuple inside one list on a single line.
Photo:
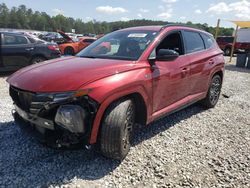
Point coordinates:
[(213, 93), (117, 129), (36, 60), (69, 51)]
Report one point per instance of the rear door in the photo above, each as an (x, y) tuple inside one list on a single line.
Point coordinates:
[(200, 60), (16, 50)]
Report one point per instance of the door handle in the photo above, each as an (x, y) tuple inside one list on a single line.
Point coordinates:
[(184, 72), (29, 49)]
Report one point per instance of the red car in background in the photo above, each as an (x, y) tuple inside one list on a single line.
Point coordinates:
[(73, 46), (226, 43)]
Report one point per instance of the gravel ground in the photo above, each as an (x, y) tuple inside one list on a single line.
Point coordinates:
[(191, 148)]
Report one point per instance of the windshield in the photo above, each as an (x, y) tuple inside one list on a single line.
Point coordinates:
[(123, 45)]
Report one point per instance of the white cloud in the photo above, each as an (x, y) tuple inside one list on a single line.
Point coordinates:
[(125, 19), (143, 10), (219, 8), (169, 1), (183, 18), (198, 11), (139, 15), (166, 9), (56, 11), (161, 7), (241, 9), (165, 15), (110, 10)]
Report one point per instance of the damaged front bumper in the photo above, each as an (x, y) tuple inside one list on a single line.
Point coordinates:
[(64, 122)]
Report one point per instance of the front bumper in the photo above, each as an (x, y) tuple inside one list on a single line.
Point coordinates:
[(56, 138), (41, 122), (39, 112)]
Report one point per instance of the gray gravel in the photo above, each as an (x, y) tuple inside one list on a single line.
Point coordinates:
[(191, 148)]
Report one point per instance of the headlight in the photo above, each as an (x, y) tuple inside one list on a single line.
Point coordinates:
[(62, 96), (71, 117), (69, 95)]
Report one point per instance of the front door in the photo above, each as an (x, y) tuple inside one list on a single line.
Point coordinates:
[(170, 78)]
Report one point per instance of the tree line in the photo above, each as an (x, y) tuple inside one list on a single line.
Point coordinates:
[(25, 18)]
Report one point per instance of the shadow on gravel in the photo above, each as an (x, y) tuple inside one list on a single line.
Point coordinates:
[(25, 163), (165, 123), (237, 69)]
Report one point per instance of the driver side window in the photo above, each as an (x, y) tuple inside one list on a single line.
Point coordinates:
[(172, 41)]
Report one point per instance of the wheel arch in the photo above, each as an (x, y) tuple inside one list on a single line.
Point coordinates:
[(69, 47), (141, 111), (220, 73), (37, 55)]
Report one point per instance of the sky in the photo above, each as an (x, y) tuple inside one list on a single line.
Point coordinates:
[(197, 11)]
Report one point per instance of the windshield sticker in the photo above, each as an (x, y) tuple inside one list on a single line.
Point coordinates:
[(137, 35)]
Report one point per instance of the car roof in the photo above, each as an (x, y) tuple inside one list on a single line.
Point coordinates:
[(158, 28), (9, 32), (149, 28)]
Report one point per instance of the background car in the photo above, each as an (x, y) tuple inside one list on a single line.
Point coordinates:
[(226, 43), (73, 46), (52, 37), (18, 50)]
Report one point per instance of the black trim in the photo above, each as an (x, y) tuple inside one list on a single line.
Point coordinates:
[(1, 56), (45, 123)]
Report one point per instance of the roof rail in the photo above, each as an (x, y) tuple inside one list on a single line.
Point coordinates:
[(180, 24)]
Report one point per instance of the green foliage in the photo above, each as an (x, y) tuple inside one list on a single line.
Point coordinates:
[(23, 18)]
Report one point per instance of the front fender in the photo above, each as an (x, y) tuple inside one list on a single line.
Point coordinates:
[(112, 88)]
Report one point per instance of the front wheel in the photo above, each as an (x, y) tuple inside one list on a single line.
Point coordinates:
[(117, 128), (213, 93)]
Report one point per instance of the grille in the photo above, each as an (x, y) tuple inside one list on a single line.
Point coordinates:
[(28, 101)]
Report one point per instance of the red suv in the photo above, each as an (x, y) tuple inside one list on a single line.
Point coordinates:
[(226, 43), (100, 96)]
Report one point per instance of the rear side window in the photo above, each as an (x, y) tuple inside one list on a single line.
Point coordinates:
[(14, 40), (194, 42), (208, 40)]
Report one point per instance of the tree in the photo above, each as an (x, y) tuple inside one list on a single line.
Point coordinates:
[(4, 13), (23, 18)]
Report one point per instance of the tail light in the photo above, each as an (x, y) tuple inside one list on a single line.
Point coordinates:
[(53, 47)]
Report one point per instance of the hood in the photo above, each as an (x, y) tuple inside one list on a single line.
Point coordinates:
[(65, 36), (66, 74)]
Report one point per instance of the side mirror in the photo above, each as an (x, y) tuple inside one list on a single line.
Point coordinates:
[(166, 55)]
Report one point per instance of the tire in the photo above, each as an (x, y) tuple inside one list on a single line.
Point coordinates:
[(69, 51), (213, 93), (227, 51), (117, 129), (38, 59)]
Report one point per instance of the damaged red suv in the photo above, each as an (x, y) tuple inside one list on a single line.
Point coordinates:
[(99, 96)]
